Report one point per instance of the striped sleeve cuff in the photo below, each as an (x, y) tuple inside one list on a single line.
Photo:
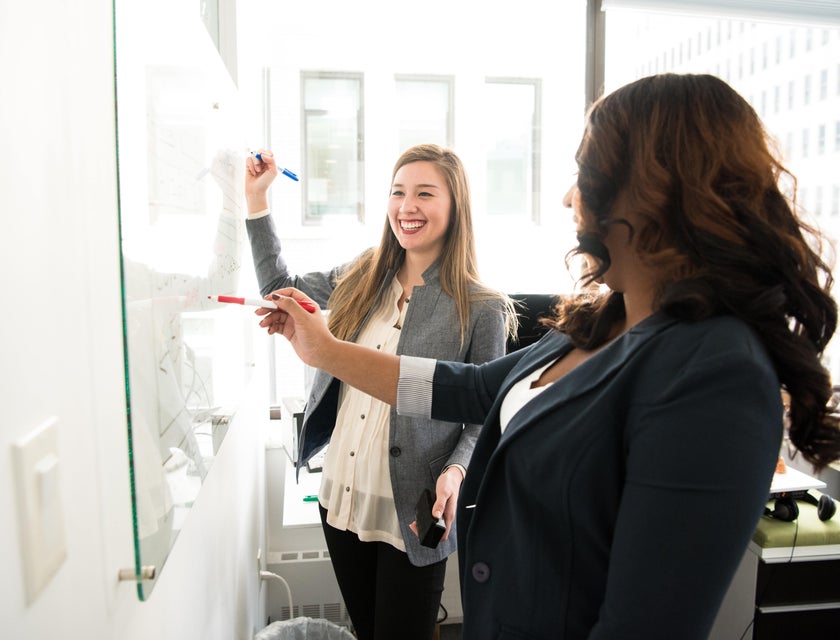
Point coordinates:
[(414, 389), (258, 214)]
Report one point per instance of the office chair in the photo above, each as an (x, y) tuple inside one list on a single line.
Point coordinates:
[(530, 307)]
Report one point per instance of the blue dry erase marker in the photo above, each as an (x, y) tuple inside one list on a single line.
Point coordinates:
[(285, 172)]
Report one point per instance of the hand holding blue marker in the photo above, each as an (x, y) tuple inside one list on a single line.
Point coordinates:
[(285, 172)]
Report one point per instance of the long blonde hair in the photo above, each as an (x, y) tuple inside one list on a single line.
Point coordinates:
[(356, 291)]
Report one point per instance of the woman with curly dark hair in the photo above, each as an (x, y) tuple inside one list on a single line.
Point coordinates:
[(626, 458)]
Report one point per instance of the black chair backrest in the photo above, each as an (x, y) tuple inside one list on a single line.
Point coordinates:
[(530, 307)]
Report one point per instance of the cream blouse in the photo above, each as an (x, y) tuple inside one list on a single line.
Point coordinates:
[(356, 484)]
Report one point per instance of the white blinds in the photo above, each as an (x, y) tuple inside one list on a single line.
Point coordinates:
[(817, 12)]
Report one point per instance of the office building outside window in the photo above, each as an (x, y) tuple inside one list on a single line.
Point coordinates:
[(799, 123)]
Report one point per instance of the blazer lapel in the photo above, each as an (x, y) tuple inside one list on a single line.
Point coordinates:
[(600, 367)]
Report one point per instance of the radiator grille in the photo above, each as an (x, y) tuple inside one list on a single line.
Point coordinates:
[(315, 593)]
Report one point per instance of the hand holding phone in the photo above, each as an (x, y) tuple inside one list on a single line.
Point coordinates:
[(429, 528)]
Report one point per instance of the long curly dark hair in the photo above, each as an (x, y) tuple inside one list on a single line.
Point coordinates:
[(693, 159)]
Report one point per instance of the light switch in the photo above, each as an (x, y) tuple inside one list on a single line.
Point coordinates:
[(40, 512)]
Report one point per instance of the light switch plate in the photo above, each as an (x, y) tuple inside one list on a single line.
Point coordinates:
[(40, 511)]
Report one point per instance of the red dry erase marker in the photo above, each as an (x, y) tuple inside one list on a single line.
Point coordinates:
[(256, 302)]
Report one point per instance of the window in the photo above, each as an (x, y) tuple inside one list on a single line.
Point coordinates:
[(344, 91), (512, 125), (346, 97), (810, 156), (424, 110), (333, 169)]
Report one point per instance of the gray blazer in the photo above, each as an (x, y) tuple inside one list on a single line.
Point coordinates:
[(419, 448)]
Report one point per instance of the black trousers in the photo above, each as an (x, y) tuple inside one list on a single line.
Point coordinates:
[(386, 596)]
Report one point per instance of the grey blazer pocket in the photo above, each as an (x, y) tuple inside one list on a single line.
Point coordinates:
[(436, 465)]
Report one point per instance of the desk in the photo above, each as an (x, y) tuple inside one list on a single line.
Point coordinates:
[(788, 583), (797, 586), (297, 512), (794, 480)]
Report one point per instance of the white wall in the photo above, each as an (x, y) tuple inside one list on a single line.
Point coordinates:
[(61, 355)]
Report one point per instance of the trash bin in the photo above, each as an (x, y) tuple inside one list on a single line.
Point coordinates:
[(303, 628)]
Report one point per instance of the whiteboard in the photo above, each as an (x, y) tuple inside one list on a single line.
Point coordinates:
[(181, 164)]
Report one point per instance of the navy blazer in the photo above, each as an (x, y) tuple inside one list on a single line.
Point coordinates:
[(618, 503)]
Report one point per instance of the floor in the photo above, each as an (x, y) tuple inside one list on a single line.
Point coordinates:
[(450, 632)]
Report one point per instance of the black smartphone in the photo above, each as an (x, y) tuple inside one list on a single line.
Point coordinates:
[(429, 528)]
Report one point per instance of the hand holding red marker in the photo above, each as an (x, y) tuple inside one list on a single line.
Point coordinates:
[(257, 302), (308, 333)]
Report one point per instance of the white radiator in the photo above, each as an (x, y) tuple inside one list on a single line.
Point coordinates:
[(315, 592)]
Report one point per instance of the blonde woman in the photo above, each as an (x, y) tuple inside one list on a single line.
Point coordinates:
[(418, 293)]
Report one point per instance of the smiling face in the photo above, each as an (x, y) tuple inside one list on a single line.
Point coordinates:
[(419, 208)]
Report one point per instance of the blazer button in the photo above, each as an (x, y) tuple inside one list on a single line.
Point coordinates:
[(395, 451), (480, 572)]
